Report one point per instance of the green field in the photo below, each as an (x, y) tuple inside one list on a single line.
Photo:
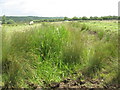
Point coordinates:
[(47, 52)]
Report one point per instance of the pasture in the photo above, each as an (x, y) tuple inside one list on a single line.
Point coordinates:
[(50, 52)]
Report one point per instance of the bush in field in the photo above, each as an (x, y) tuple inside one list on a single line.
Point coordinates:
[(101, 34), (10, 21), (16, 65), (96, 60), (84, 27), (49, 44), (74, 51), (102, 54)]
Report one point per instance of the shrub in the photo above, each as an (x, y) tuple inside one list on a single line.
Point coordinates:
[(10, 21)]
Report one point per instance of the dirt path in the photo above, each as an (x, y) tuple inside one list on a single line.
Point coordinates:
[(87, 84), (83, 84)]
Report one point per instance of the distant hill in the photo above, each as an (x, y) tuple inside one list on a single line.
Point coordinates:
[(29, 18)]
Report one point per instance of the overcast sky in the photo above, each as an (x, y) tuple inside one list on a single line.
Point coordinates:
[(53, 8)]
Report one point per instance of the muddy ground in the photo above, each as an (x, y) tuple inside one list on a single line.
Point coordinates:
[(77, 84)]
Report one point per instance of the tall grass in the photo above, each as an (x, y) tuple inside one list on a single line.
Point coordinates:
[(24, 52), (50, 52)]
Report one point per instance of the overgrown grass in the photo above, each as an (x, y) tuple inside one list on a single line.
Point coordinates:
[(49, 52)]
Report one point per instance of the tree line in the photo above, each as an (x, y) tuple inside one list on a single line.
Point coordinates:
[(80, 18), (25, 19), (94, 18)]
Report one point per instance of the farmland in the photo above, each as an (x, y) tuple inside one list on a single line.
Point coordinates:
[(54, 52)]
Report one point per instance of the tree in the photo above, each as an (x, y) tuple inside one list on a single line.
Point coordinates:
[(99, 18), (75, 18), (66, 18), (80, 18), (3, 19), (118, 17), (84, 18), (95, 18), (91, 18)]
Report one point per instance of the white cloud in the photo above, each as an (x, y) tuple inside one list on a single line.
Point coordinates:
[(68, 8)]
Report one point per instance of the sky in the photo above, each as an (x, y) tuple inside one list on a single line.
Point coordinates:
[(59, 8)]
